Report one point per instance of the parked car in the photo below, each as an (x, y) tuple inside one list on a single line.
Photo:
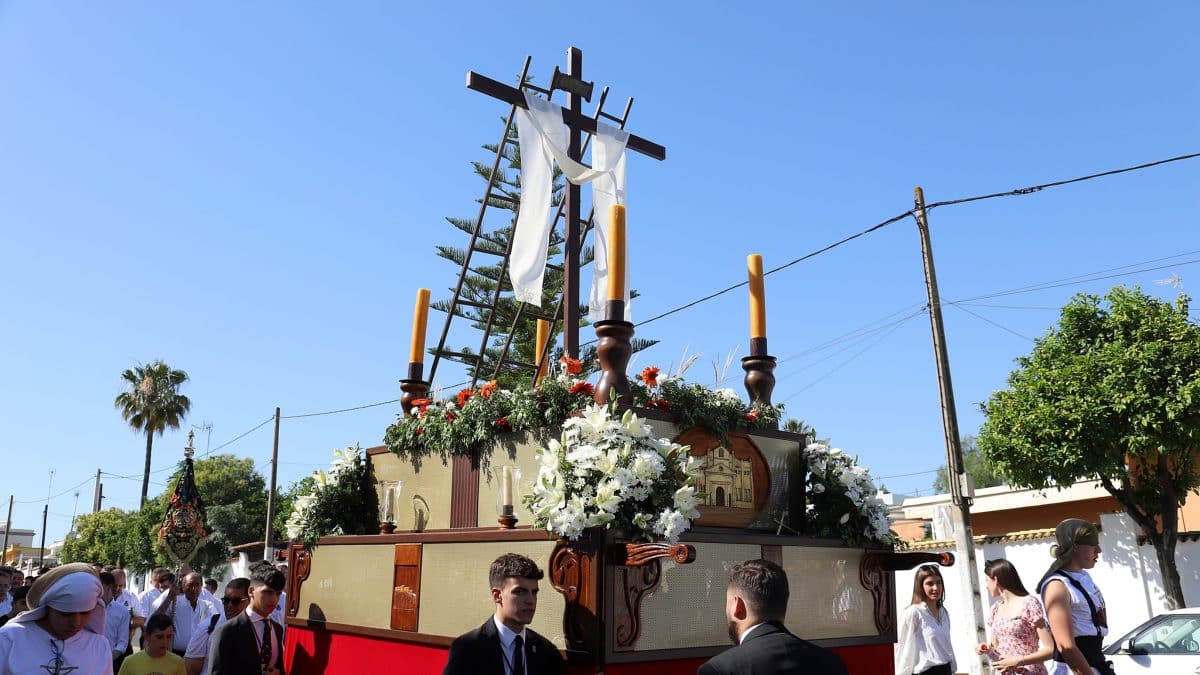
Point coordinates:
[(1168, 644)]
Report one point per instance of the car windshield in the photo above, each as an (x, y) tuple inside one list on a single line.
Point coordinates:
[(1177, 634)]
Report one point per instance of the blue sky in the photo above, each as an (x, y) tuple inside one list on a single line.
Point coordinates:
[(253, 193)]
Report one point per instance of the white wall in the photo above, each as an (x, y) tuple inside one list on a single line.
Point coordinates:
[(1128, 576)]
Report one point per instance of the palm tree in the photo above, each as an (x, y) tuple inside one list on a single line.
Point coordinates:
[(152, 403), (799, 427)]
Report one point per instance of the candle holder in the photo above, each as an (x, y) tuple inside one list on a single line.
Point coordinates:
[(508, 483), (760, 375), (413, 387), (613, 351), (389, 494)]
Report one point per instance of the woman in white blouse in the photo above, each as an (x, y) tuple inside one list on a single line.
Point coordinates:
[(924, 632)]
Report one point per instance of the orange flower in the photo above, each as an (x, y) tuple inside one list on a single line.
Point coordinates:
[(488, 389), (585, 387), (573, 366), (659, 404), (649, 376), (751, 416), (463, 397)]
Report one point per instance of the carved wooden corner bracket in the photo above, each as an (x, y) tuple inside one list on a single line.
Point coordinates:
[(638, 571), (299, 569), (873, 572)]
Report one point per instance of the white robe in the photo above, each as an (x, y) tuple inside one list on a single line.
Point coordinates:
[(26, 649)]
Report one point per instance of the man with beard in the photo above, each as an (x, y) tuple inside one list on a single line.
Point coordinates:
[(755, 605), (504, 645), (63, 631)]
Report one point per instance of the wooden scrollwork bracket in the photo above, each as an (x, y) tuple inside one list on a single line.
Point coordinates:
[(873, 573), (638, 571), (299, 567), (574, 572)]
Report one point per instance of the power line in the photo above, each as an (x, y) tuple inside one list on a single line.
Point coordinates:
[(1038, 188), (334, 412), (240, 436), (85, 481), (997, 325)]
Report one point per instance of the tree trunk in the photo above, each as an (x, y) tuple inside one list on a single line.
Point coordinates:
[(1164, 548), (1163, 532), (146, 473)]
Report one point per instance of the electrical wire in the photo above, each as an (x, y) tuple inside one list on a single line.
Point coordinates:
[(47, 499), (997, 325), (334, 412)]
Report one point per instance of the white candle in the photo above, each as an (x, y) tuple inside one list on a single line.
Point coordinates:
[(389, 505), (506, 486)]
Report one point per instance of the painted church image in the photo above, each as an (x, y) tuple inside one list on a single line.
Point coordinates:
[(728, 481)]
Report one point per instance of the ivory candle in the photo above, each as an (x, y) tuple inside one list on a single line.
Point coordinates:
[(539, 356), (616, 252), (420, 319), (758, 296), (389, 504), (506, 486)]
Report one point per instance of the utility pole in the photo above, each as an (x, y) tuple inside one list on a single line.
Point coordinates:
[(42, 555), (957, 478), (96, 494), (7, 527), (268, 545)]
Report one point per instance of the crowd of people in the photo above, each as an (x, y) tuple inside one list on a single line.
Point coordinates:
[(1063, 625), (79, 618)]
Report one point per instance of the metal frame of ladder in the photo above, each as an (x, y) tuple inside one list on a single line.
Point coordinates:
[(474, 361)]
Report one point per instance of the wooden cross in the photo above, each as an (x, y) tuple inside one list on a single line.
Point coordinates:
[(577, 90)]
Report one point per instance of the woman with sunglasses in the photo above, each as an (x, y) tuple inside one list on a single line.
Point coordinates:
[(924, 632), (1074, 606), (1020, 639)]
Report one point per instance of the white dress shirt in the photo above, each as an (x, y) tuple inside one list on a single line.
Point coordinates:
[(508, 646), (256, 623), (187, 618), (116, 626)]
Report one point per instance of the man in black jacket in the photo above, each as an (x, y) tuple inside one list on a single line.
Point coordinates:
[(251, 643), (504, 645), (755, 604)]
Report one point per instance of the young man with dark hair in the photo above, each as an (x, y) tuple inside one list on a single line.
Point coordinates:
[(755, 604), (116, 620), (251, 642), (504, 645), (237, 594)]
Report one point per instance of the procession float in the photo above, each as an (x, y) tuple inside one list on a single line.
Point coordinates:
[(634, 494)]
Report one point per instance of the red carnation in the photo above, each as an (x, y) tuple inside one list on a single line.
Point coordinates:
[(585, 387), (573, 366), (502, 424), (649, 376), (659, 404), (450, 416), (751, 416)]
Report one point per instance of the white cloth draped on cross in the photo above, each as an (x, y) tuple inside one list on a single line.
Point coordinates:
[(543, 141)]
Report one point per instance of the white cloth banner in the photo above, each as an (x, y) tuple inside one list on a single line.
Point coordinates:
[(542, 138)]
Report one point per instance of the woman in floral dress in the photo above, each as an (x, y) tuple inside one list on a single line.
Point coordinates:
[(1021, 641)]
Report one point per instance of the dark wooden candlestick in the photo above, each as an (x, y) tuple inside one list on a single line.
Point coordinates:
[(386, 527), (507, 519), (613, 351), (413, 387), (760, 375)]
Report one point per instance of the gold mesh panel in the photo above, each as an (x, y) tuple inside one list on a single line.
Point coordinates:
[(454, 588), (687, 608), (350, 585), (426, 492), (827, 600)]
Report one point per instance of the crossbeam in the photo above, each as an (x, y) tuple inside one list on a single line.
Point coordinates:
[(486, 85)]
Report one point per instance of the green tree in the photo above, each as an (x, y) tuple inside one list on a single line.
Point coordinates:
[(151, 404), (976, 464), (100, 537), (1111, 393)]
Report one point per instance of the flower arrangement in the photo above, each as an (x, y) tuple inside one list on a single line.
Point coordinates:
[(841, 501), (341, 501), (611, 473), (468, 421)]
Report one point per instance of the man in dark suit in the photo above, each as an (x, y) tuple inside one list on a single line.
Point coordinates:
[(504, 645), (755, 604), (251, 643)]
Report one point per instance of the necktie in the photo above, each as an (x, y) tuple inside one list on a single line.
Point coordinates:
[(266, 643), (518, 656)]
